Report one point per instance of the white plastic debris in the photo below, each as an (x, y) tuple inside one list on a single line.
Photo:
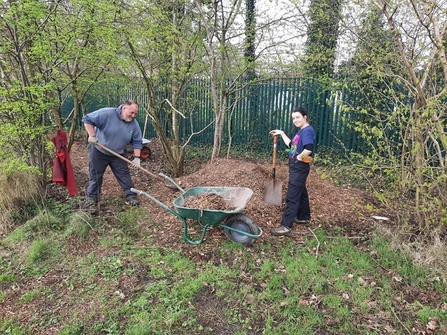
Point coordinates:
[(383, 218)]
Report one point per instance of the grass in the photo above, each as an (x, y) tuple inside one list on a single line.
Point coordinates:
[(16, 201), (64, 271), (122, 287)]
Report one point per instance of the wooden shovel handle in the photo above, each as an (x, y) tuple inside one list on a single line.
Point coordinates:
[(161, 177), (128, 161), (275, 142)]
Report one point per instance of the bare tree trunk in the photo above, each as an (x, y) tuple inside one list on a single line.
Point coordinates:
[(75, 117), (217, 135)]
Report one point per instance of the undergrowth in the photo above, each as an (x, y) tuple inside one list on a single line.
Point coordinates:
[(110, 280)]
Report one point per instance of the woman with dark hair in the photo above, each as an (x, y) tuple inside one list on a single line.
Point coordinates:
[(302, 145)]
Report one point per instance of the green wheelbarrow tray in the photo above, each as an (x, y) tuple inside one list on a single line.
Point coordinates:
[(238, 227)]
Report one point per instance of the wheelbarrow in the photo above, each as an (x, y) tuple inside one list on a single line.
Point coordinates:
[(238, 227)]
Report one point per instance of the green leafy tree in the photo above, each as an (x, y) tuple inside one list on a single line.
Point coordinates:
[(400, 71), (27, 87), (84, 41), (250, 37), (364, 75), (163, 50), (47, 49), (322, 36), (225, 58), (419, 33)]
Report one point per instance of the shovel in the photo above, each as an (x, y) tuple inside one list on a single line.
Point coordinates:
[(273, 188), (159, 177)]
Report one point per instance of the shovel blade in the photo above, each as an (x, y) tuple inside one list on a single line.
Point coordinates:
[(273, 192)]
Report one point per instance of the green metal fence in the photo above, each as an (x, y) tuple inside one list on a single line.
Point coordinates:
[(256, 108), (253, 109)]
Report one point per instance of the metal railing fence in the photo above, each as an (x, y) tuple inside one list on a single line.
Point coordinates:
[(253, 109)]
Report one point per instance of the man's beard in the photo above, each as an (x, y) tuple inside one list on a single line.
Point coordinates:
[(127, 119)]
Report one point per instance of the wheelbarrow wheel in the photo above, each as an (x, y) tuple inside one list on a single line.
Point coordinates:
[(242, 223)]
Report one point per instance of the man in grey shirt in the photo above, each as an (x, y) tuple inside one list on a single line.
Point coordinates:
[(115, 128)]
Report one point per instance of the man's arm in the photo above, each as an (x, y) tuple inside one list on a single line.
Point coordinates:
[(90, 129), (136, 152)]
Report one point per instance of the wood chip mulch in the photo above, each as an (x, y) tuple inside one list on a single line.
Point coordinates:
[(333, 206)]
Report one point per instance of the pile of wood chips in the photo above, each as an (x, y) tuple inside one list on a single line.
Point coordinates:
[(333, 206), (210, 201)]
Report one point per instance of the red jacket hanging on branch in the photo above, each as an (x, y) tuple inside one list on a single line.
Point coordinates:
[(62, 169)]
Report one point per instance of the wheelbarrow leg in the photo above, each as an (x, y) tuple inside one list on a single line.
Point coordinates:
[(186, 234)]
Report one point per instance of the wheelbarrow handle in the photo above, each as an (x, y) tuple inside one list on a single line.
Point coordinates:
[(170, 210), (158, 202)]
